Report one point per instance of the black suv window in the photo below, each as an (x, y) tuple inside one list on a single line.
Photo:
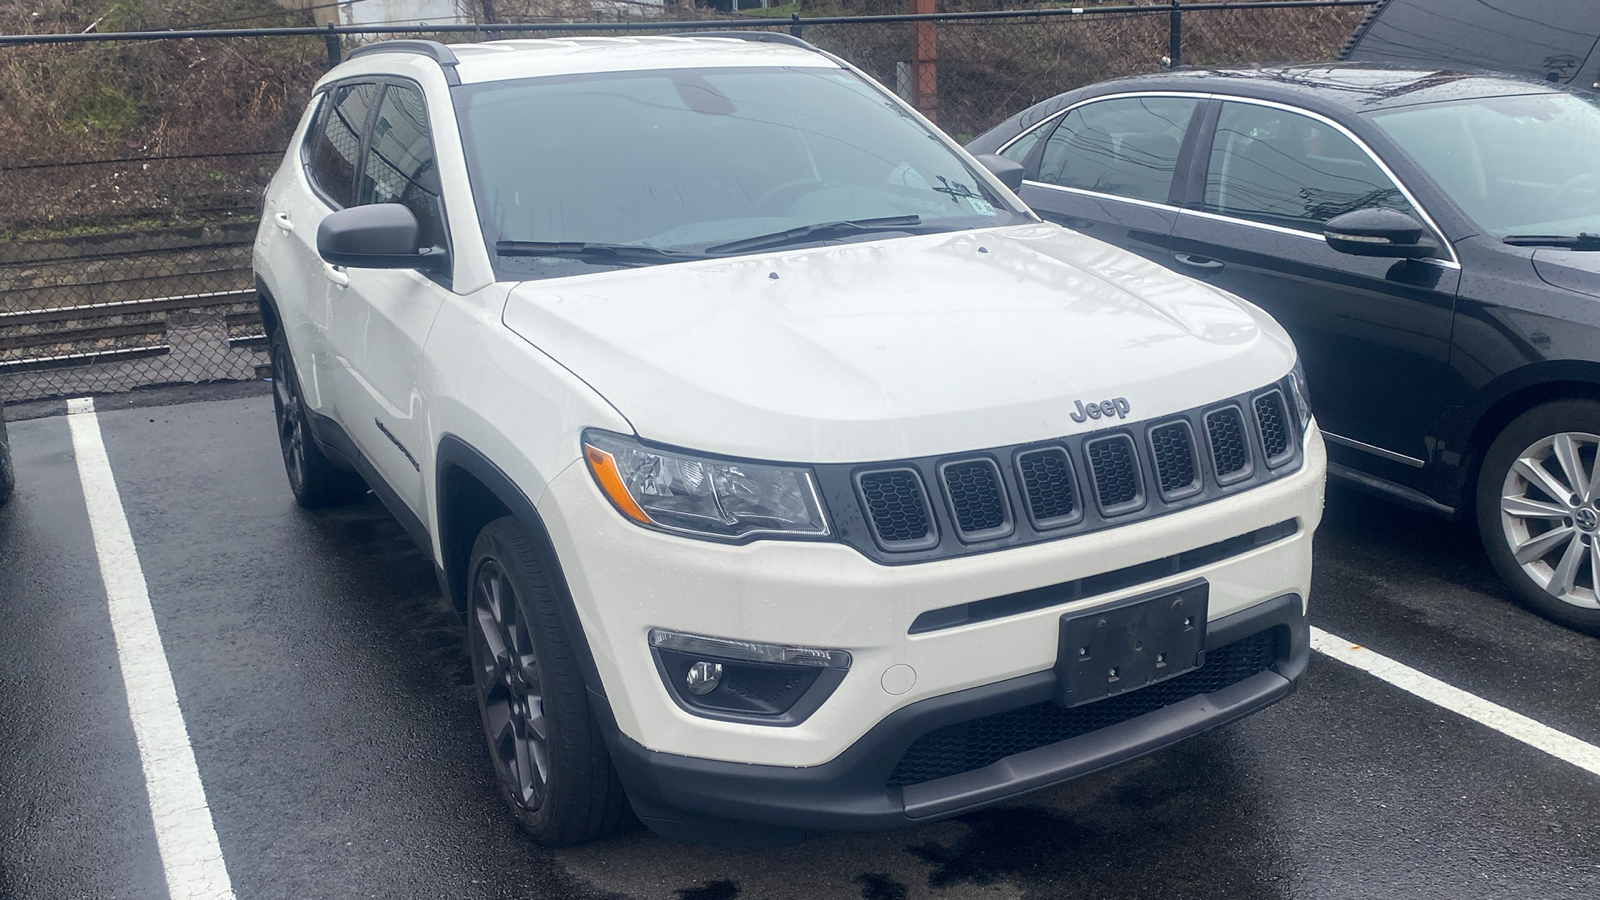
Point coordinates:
[(1282, 168), (400, 165), (338, 146), (1127, 147)]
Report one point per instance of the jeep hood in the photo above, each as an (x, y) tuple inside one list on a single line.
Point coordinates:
[(896, 348)]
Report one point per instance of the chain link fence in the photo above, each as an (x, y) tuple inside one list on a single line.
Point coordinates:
[(128, 209)]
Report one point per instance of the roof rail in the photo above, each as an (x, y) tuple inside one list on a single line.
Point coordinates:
[(434, 50), (770, 37)]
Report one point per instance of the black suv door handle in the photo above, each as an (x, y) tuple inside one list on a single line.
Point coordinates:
[(1203, 263)]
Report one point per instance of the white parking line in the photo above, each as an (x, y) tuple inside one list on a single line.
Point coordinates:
[(1515, 725), (190, 853)]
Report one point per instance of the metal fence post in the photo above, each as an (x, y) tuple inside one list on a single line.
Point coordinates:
[(794, 24), (332, 40), (1175, 36), (924, 62)]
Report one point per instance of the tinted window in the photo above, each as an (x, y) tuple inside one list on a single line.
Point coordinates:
[(339, 144), (1548, 38), (1278, 167), (1019, 150), (683, 159), (400, 166), (1126, 147)]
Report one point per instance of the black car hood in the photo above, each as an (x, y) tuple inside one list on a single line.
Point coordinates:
[(1575, 270)]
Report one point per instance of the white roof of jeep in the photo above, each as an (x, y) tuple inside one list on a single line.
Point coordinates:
[(502, 60)]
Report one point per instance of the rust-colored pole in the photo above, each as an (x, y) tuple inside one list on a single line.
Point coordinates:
[(924, 62)]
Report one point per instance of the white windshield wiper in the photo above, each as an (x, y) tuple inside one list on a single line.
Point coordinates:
[(615, 254), (819, 232), (1580, 241)]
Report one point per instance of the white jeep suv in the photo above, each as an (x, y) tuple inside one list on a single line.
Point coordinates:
[(790, 474)]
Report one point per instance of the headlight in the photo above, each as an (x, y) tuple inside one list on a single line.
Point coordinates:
[(707, 497), (1302, 396)]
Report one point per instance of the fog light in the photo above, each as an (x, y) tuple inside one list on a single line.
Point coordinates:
[(703, 677)]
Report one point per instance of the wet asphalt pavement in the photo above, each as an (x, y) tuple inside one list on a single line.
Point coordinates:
[(327, 694)]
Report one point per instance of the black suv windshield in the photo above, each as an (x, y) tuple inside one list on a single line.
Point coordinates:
[(1518, 166), (571, 173)]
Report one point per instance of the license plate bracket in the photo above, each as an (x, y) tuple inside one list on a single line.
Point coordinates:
[(1132, 643)]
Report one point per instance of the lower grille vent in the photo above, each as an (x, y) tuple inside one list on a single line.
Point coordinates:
[(972, 745)]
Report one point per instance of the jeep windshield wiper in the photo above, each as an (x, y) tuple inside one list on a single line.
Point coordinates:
[(1581, 241), (618, 254), (817, 232)]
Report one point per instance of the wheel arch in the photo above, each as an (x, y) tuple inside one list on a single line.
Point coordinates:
[(1511, 396), (471, 492), (270, 318)]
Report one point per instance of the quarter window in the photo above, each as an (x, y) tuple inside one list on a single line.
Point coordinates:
[(1127, 147), (400, 163), (339, 146), (1022, 146), (1281, 168)]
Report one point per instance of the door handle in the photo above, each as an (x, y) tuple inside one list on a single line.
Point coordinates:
[(336, 274), (1204, 264), (282, 220)]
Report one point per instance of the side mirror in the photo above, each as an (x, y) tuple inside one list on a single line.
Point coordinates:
[(1378, 232), (377, 236), (1009, 171)]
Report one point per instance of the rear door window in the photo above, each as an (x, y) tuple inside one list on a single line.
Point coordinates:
[(1281, 168), (1127, 147)]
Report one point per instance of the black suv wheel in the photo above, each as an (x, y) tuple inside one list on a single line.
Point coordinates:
[(314, 479)]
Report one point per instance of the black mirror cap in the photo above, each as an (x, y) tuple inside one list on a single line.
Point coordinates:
[(1378, 231), (376, 236), (1009, 171)]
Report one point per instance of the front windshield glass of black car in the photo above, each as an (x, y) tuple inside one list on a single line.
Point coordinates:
[(1520, 165), (688, 159)]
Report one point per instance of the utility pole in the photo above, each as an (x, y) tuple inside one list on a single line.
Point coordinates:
[(924, 62)]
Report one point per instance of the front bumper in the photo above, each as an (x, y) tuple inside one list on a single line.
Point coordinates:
[(625, 580), (701, 799)]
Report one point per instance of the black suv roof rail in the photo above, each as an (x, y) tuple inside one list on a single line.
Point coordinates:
[(434, 50), (770, 37)]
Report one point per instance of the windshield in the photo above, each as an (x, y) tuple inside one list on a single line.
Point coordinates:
[(1523, 165), (686, 160)]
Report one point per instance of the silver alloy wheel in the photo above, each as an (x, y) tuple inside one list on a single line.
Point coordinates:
[(510, 687), (1550, 516)]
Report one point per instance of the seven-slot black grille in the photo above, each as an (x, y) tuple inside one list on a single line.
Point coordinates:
[(1273, 420), (1172, 446), (966, 746), (897, 505), (1047, 481), (1114, 465), (1230, 446), (977, 498), (932, 507)]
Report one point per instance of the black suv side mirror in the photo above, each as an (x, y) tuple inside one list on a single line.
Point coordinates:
[(1009, 171), (1378, 231), (377, 236)]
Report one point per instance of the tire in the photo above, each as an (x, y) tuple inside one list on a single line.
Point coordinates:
[(549, 757), (1538, 510), (8, 476), (314, 479)]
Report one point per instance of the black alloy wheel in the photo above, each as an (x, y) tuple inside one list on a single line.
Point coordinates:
[(314, 479), (510, 690), (549, 755)]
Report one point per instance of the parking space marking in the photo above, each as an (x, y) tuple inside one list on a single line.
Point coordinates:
[(190, 853), (1515, 725)]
